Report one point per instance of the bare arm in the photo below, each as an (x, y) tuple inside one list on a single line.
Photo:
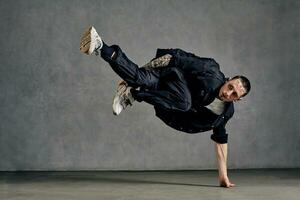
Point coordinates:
[(221, 151)]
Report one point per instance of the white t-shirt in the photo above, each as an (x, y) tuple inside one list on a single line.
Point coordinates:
[(217, 106)]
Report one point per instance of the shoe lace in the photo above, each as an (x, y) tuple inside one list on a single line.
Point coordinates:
[(97, 50), (125, 102)]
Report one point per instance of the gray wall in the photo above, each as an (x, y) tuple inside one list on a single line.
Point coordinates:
[(55, 109)]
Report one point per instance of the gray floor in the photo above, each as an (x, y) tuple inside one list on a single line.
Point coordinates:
[(183, 185)]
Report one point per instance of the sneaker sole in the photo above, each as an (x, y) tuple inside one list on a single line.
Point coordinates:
[(116, 110), (116, 101), (85, 41), (88, 41)]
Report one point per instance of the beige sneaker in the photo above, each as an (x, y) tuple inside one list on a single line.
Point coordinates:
[(123, 98), (90, 41)]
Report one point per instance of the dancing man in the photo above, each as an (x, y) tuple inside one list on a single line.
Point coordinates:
[(189, 93)]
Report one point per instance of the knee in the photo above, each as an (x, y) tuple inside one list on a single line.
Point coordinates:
[(186, 100), (186, 104), (146, 78)]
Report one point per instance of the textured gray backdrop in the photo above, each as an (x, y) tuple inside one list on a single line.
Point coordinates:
[(55, 111)]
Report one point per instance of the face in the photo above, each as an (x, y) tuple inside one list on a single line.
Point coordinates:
[(232, 90)]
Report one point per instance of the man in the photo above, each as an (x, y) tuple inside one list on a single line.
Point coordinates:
[(189, 93)]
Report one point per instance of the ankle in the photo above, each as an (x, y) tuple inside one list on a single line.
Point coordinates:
[(107, 51)]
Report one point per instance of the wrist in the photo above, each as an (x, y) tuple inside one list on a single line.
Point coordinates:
[(223, 177)]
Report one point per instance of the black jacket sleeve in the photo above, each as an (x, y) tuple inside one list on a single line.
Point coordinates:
[(219, 134)]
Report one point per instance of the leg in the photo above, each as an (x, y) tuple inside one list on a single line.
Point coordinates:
[(91, 42), (171, 95), (128, 70), (172, 92)]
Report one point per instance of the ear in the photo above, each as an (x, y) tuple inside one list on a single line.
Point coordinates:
[(237, 100)]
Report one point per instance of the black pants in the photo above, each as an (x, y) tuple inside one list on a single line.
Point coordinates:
[(161, 87)]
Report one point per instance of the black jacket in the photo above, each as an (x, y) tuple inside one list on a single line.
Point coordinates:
[(204, 80)]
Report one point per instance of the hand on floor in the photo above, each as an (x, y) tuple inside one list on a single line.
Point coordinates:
[(224, 182)]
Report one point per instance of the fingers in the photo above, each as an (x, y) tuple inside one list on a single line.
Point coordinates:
[(231, 185), (227, 185)]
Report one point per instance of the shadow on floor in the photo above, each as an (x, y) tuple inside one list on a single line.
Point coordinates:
[(43, 177)]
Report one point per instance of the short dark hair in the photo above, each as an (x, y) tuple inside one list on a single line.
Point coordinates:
[(245, 82)]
